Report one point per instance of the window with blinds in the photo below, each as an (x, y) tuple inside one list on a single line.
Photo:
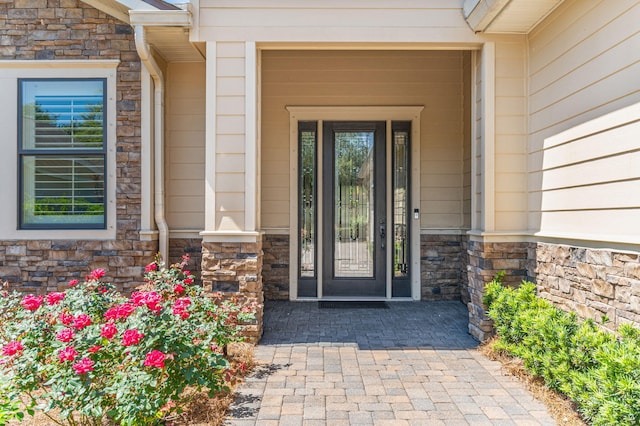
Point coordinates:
[(62, 153)]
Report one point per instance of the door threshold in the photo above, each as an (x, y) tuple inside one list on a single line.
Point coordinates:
[(369, 304), (353, 299)]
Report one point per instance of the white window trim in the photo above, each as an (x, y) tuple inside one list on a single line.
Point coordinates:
[(10, 72), (352, 113)]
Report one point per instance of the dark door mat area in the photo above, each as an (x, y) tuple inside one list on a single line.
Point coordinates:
[(352, 305)]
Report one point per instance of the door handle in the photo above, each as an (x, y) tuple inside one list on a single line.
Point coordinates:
[(382, 231)]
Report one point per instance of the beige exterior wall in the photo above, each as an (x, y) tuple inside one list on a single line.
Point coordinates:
[(584, 176), (510, 135), (437, 21), (466, 146), (230, 136), (434, 79), (500, 142), (185, 145)]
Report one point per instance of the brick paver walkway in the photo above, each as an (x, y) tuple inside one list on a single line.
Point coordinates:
[(411, 364)]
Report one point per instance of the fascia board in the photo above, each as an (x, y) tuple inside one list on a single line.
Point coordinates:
[(160, 18), (480, 13)]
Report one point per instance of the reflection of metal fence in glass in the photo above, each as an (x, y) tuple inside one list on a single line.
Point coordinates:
[(354, 204), (307, 196), (400, 187)]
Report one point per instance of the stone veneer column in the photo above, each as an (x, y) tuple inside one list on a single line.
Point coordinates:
[(485, 261), (235, 269)]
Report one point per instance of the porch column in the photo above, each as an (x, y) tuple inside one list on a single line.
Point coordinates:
[(496, 241), (231, 245)]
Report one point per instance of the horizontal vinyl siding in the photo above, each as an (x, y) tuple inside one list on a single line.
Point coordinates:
[(185, 145), (477, 177), (466, 146), (375, 78), (584, 74), (230, 136), (510, 135), (334, 20), (582, 65)]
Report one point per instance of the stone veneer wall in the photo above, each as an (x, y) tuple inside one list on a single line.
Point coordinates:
[(69, 29), (443, 267), (275, 267), (485, 261), (443, 260), (235, 269), (191, 246), (591, 282)]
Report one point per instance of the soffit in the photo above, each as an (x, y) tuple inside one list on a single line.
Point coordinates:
[(166, 25), (507, 16), (172, 43)]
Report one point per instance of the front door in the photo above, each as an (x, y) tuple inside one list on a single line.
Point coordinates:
[(354, 211)]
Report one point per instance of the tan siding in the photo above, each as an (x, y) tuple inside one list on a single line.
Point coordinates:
[(510, 135), (319, 78), (577, 75), (185, 145), (334, 20), (584, 183), (230, 136), (466, 145), (477, 177)]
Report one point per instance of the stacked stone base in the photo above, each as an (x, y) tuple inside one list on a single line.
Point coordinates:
[(235, 269), (275, 268), (603, 285), (43, 266), (443, 260), (486, 260), (178, 247)]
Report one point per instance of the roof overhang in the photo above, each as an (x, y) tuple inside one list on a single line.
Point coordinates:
[(166, 25), (121, 9), (507, 16)]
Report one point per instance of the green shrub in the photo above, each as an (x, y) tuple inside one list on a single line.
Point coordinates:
[(596, 369)]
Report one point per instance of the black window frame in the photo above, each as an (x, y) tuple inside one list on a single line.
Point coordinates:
[(23, 152)]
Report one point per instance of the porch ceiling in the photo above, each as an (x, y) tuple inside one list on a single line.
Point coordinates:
[(507, 16)]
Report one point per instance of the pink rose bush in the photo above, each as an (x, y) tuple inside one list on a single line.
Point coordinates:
[(67, 354), (54, 298), (31, 302), (94, 354), (131, 337), (12, 348), (155, 358)]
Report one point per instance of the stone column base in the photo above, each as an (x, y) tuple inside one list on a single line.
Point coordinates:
[(485, 261), (235, 270)]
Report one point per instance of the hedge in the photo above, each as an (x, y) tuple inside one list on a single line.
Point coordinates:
[(598, 370)]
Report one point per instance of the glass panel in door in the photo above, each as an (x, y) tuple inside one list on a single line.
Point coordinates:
[(353, 202)]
